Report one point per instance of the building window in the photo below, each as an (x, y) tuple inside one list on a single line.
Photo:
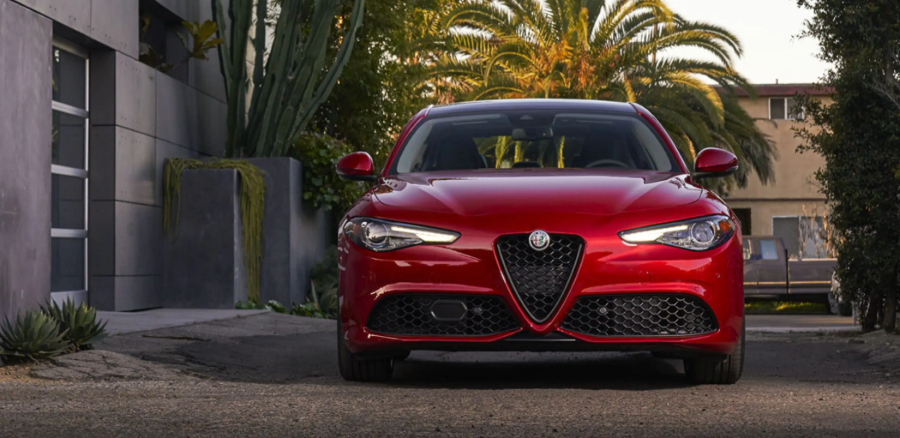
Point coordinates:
[(69, 173), (804, 237), (785, 108), (743, 216)]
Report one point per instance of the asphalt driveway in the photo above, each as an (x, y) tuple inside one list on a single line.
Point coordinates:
[(275, 375)]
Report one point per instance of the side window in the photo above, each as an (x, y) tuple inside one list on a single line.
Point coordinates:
[(768, 249)]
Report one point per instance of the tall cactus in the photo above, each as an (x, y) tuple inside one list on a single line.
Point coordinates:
[(289, 86)]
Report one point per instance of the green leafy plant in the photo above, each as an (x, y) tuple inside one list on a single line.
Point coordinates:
[(252, 304), (249, 305), (253, 198), (33, 336), (322, 186), (79, 322), (201, 41), (275, 306), (323, 293), (201, 37)]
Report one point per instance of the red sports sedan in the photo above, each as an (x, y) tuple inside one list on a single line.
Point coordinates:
[(540, 225)]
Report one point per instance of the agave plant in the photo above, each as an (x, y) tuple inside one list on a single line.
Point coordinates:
[(33, 336), (79, 323)]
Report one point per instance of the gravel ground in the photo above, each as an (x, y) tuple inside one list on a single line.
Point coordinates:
[(275, 375)]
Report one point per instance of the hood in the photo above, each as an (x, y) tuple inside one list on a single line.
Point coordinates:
[(524, 191)]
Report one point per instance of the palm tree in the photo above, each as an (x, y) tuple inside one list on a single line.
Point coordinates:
[(612, 50)]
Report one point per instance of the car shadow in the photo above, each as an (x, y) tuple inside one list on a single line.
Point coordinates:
[(312, 357), (631, 371)]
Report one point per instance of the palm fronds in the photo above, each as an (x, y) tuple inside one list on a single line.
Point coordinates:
[(604, 49)]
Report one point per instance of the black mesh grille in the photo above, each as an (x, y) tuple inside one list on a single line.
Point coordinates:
[(539, 278), (640, 315), (410, 314)]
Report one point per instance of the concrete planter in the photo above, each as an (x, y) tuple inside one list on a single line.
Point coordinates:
[(203, 258), (203, 266), (294, 236)]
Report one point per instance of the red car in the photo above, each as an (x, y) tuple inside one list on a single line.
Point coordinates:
[(540, 225)]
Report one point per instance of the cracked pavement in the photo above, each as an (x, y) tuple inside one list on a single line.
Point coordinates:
[(275, 375)]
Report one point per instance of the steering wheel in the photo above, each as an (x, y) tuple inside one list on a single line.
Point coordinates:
[(601, 163)]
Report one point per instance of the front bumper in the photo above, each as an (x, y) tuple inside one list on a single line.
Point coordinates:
[(607, 267)]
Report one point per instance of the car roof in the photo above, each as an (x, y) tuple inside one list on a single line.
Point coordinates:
[(532, 104)]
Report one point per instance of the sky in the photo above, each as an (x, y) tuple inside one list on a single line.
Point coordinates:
[(768, 31)]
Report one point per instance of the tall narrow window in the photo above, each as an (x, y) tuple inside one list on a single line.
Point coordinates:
[(69, 170), (777, 108)]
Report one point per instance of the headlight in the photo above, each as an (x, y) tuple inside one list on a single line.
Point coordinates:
[(380, 235), (698, 234)]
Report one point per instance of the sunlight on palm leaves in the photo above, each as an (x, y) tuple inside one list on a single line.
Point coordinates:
[(610, 50)]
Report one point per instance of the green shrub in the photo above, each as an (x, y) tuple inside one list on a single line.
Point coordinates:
[(857, 135), (324, 283), (321, 185), (78, 322), (322, 301), (275, 306), (33, 336), (250, 304)]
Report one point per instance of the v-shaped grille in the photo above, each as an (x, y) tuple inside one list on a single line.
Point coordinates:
[(539, 279)]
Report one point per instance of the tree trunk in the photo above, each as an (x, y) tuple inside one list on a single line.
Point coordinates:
[(869, 312), (889, 322)]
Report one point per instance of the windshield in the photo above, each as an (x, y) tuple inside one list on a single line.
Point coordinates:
[(534, 139)]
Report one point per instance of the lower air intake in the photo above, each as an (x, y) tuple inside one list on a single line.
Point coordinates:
[(640, 315), (420, 314)]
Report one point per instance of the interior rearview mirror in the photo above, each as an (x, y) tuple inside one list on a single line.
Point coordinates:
[(532, 133)]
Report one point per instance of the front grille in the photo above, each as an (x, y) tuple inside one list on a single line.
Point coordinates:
[(539, 279), (640, 315), (411, 314)]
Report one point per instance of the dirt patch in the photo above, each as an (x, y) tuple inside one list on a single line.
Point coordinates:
[(882, 349), (18, 373)]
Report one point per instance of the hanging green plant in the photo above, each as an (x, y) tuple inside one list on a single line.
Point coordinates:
[(253, 197)]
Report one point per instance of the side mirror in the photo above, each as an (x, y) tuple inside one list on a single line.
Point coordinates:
[(714, 163), (357, 166)]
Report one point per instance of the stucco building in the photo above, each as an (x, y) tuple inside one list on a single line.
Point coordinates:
[(791, 207)]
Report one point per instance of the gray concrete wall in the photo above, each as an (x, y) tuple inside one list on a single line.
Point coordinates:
[(139, 118), (112, 23), (294, 237), (25, 121)]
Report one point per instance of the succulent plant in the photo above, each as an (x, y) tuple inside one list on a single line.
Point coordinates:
[(33, 336), (79, 322), (288, 85)]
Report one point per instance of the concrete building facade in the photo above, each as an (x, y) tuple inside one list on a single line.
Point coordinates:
[(791, 207), (85, 127)]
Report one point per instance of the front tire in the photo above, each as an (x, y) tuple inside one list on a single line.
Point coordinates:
[(359, 369), (706, 371)]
